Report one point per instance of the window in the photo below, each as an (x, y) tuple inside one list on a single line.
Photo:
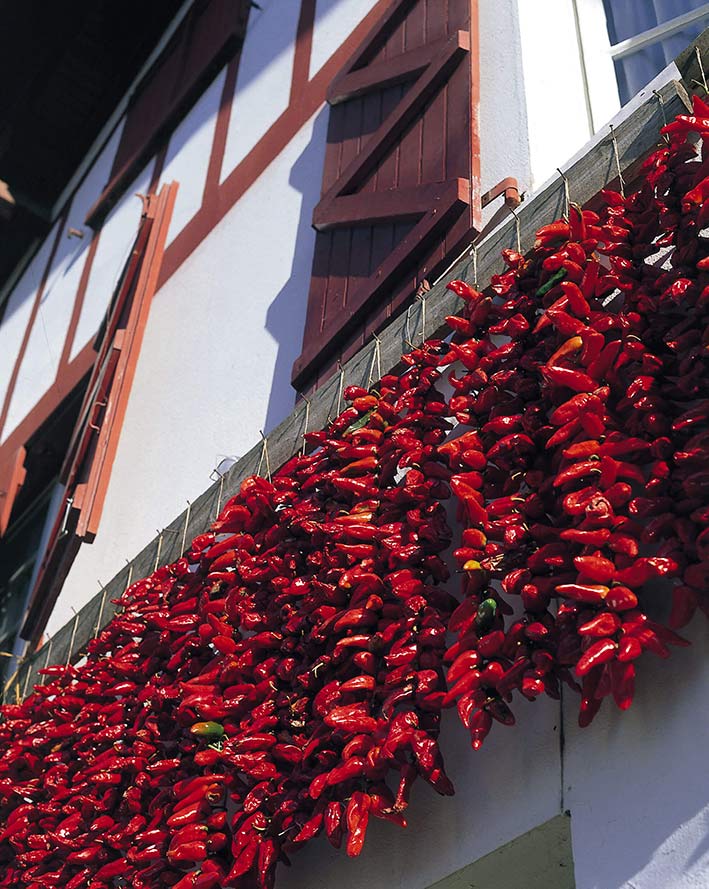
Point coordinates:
[(211, 33), (646, 35), (89, 455), (33, 509)]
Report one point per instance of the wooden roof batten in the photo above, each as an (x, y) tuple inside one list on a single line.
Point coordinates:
[(635, 137)]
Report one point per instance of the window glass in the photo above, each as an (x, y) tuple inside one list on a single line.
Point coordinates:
[(20, 549), (637, 70), (629, 18)]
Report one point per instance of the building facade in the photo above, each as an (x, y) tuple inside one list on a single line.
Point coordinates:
[(277, 182)]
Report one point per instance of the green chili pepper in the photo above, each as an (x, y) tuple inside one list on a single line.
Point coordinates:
[(487, 610), (552, 282), (210, 731)]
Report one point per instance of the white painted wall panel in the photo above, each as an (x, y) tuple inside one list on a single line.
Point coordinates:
[(117, 235), (44, 348), (502, 790), (17, 314), (334, 22), (215, 365), (502, 102), (556, 108), (188, 156), (637, 782), (264, 80), (573, 96)]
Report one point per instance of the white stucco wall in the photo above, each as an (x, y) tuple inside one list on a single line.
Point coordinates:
[(116, 238), (637, 783), (215, 364), (334, 22), (46, 341), (18, 311), (188, 155), (504, 139), (215, 369), (263, 82)]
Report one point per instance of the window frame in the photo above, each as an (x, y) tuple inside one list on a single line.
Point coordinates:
[(659, 32), (87, 467), (599, 55), (176, 80)]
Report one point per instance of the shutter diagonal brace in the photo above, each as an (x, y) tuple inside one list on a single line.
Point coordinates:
[(435, 205), (444, 56), (453, 197)]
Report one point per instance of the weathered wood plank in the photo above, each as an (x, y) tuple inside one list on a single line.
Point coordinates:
[(635, 137), (693, 64)]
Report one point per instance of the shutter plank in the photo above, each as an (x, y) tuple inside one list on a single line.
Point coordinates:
[(403, 197), (415, 43), (405, 112), (350, 147), (410, 145)]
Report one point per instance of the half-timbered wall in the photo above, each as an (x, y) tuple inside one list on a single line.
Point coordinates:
[(224, 330), (227, 321)]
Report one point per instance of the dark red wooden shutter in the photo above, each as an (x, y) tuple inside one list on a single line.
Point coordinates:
[(401, 179), (204, 41)]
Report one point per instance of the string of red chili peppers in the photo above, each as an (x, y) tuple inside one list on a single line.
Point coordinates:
[(286, 676)]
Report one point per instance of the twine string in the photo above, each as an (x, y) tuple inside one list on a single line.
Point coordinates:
[(158, 550), (616, 155), (701, 68), (376, 359), (184, 530), (567, 196), (71, 640), (306, 422), (264, 458)]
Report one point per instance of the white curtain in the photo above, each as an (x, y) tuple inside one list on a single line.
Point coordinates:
[(627, 18)]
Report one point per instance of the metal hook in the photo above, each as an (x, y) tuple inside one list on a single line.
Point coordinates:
[(340, 387), (664, 116), (407, 329), (67, 510), (27, 681), (567, 197), (422, 299), (49, 654), (621, 181), (219, 495), (97, 628)]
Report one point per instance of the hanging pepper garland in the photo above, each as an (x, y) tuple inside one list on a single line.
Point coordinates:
[(286, 676)]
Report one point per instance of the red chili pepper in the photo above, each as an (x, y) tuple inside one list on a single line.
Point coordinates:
[(353, 718), (604, 624), (357, 816), (598, 653), (594, 594)]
